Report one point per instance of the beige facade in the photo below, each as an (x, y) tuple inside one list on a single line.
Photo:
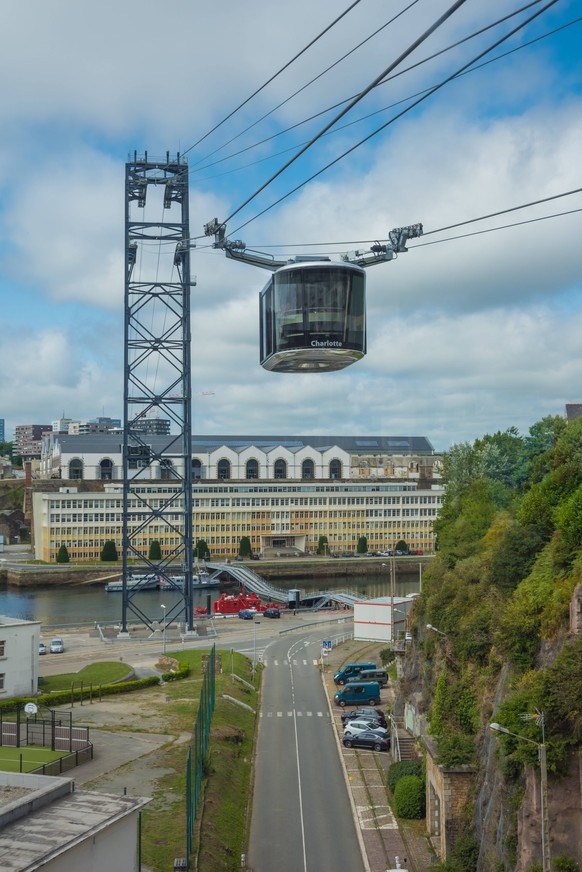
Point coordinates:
[(274, 514)]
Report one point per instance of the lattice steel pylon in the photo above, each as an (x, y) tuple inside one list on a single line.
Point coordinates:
[(157, 469)]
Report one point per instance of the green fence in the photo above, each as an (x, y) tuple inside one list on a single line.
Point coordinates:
[(196, 757)]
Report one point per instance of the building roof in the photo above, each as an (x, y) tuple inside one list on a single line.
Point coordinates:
[(573, 410), (94, 443), (41, 817)]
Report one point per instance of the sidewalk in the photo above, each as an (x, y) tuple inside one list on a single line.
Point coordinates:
[(382, 839)]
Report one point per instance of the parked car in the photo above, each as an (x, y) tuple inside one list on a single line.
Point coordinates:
[(56, 646), (41, 648), (367, 739), (255, 556), (362, 725), (371, 714), (246, 614), (239, 558), (272, 613)]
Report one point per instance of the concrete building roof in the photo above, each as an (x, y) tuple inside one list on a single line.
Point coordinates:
[(93, 443), (41, 817)]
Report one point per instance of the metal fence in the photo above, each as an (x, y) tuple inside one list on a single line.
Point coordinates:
[(196, 758)]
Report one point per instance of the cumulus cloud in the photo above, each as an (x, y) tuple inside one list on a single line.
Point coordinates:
[(464, 337)]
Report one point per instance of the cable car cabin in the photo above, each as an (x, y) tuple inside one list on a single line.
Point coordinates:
[(313, 317)]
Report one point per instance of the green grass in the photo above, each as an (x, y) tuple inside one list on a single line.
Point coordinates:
[(95, 674), (32, 758)]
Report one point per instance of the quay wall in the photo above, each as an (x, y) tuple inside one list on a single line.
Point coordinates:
[(276, 570)]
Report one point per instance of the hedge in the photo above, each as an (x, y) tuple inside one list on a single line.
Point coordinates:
[(62, 697), (402, 768), (409, 797)]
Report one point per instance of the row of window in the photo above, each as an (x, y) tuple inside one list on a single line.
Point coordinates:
[(224, 469)]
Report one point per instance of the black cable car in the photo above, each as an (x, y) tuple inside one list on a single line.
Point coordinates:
[(313, 317)]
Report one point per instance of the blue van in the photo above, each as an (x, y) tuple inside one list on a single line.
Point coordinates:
[(351, 671), (358, 693)]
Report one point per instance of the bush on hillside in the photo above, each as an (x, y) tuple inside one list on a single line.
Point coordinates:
[(409, 798), (400, 769)]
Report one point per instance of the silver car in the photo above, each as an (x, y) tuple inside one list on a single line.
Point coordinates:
[(56, 646), (360, 725)]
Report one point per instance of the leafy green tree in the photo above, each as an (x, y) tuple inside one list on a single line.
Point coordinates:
[(245, 548), (322, 546), (201, 549), (109, 552), (362, 546), (155, 551), (63, 554), (569, 520), (6, 449), (514, 556), (401, 545)]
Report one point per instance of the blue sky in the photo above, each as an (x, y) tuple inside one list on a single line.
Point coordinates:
[(465, 336)]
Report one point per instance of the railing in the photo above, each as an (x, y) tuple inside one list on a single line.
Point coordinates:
[(63, 764), (394, 740)]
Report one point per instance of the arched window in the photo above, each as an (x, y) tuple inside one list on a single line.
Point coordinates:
[(335, 469), (308, 469), (223, 469), (252, 469), (196, 470), (106, 470), (76, 469), (280, 469)]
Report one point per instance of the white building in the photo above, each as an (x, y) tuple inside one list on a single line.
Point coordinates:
[(46, 824), (382, 619), (98, 457), (18, 657)]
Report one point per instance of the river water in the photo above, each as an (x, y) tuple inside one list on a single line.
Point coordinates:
[(61, 606)]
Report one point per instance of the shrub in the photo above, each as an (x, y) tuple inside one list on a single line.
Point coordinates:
[(400, 769), (63, 554), (109, 551), (409, 799), (155, 550), (386, 655), (182, 672), (564, 863), (455, 749)]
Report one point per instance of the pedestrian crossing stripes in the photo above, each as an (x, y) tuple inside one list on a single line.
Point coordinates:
[(295, 662), (299, 714)]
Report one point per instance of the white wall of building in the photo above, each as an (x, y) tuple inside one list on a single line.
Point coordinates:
[(18, 657)]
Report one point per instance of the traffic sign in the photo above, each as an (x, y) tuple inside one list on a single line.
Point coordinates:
[(326, 644)]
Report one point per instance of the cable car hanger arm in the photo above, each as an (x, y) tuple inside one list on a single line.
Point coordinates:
[(378, 253)]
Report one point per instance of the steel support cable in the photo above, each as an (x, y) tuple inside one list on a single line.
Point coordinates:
[(390, 121), (440, 229), (384, 82), (428, 32), (493, 229), (307, 84), (273, 77)]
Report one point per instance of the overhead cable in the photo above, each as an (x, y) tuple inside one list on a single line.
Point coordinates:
[(383, 126), (307, 84), (452, 9), (384, 82), (273, 77)]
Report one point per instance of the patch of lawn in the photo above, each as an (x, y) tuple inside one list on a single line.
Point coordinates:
[(32, 758), (94, 673)]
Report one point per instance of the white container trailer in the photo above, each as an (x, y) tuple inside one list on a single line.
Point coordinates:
[(374, 621)]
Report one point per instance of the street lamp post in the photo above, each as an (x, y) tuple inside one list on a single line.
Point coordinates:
[(543, 782), (430, 627), (163, 608), (256, 624)]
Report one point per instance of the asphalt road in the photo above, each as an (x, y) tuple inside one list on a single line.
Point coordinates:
[(302, 819)]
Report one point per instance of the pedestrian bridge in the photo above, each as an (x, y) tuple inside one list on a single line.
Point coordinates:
[(254, 582)]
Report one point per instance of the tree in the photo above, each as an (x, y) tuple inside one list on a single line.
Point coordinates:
[(322, 546), (7, 449), (155, 552), (362, 545), (109, 551), (63, 554), (244, 548), (201, 549), (401, 545)]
